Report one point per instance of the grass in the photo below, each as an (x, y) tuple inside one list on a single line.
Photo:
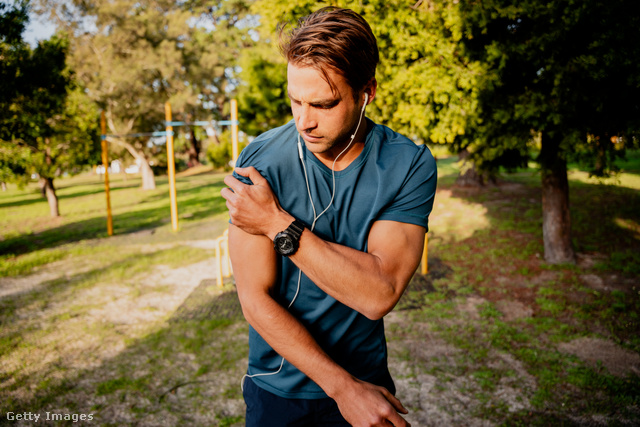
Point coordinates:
[(30, 238), (133, 330), (497, 258)]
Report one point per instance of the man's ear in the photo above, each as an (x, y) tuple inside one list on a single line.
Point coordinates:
[(370, 89)]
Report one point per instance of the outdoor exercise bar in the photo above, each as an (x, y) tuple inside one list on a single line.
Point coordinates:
[(168, 133)]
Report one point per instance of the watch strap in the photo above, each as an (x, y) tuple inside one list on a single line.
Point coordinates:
[(296, 228)]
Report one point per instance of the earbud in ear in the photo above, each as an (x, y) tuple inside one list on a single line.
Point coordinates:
[(366, 98)]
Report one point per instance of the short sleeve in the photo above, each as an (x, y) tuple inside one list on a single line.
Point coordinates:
[(414, 201)]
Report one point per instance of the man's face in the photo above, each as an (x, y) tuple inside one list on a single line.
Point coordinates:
[(325, 119)]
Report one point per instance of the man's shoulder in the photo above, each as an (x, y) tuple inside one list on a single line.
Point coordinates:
[(272, 139), (394, 146), (389, 136), (269, 151)]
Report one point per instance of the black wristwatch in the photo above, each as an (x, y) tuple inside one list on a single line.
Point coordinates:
[(286, 242)]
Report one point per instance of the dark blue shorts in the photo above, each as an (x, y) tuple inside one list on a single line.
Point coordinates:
[(265, 409)]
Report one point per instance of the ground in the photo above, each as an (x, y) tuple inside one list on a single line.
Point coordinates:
[(175, 295)]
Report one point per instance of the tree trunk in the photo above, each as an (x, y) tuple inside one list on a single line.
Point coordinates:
[(556, 221), (49, 191), (148, 179), (194, 151)]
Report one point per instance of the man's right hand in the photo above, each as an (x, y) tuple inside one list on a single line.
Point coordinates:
[(364, 404)]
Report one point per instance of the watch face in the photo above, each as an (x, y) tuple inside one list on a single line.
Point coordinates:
[(284, 244)]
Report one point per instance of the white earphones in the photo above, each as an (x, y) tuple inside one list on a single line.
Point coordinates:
[(315, 216)]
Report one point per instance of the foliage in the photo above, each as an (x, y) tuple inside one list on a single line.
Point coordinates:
[(135, 56), (262, 94), (47, 124), (220, 155), (424, 89), (482, 75), (562, 69)]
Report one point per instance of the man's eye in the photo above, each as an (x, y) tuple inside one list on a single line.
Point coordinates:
[(324, 106)]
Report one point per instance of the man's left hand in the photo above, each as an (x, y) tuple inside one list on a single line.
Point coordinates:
[(254, 208)]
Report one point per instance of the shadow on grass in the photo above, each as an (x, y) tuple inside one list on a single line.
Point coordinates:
[(422, 284), (62, 193), (124, 223), (605, 219), (186, 373)]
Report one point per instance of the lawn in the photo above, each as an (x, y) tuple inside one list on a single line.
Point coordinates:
[(132, 329)]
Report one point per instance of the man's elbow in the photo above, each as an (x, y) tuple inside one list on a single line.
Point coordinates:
[(377, 313), (256, 306), (383, 304), (249, 306)]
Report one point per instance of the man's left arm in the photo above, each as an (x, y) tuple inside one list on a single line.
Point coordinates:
[(369, 282)]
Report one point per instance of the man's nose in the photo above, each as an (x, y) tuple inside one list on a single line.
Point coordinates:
[(306, 118)]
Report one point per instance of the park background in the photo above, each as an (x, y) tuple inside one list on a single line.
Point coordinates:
[(529, 312)]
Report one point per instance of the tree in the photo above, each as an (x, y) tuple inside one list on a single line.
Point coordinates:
[(47, 123), (498, 78), (424, 89), (137, 55), (262, 93), (564, 72)]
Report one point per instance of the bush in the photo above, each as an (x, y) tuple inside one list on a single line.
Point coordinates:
[(219, 155)]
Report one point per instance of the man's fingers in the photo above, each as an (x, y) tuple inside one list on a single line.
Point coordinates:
[(395, 418), (395, 402), (253, 174), (233, 182), (228, 194), (398, 421)]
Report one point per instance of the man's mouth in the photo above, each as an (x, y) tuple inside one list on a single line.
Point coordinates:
[(311, 138)]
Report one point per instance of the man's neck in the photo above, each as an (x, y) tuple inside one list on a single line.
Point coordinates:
[(348, 156)]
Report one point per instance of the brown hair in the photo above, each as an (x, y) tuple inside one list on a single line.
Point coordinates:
[(336, 38)]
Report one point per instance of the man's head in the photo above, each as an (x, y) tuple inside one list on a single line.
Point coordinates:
[(335, 39)]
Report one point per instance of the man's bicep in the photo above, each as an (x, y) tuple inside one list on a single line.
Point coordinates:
[(399, 247), (253, 260)]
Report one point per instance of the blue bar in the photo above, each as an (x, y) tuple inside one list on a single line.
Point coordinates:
[(204, 123), (135, 135)]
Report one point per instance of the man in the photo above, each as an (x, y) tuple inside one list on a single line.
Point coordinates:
[(328, 214)]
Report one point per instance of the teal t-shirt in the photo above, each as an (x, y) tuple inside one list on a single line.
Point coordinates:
[(392, 179)]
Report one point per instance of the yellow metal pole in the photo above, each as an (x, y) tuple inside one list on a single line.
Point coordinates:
[(425, 253), (105, 163), (219, 261), (234, 130), (171, 168)]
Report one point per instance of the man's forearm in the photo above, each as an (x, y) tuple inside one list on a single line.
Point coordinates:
[(286, 335), (358, 401)]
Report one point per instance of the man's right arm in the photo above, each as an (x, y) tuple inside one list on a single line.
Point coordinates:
[(255, 270)]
